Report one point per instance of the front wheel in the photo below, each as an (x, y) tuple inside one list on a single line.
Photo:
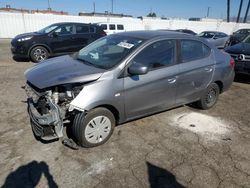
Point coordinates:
[(94, 128), (209, 97), (38, 54)]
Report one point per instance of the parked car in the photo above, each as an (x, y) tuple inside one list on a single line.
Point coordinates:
[(111, 28), (56, 39), (241, 54), (188, 31), (216, 38), (122, 77), (237, 37)]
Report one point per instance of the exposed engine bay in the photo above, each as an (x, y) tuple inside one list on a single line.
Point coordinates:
[(48, 108)]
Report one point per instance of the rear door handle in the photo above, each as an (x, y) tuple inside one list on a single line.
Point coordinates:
[(208, 69), (172, 80)]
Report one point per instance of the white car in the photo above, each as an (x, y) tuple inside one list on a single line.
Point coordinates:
[(111, 28), (218, 39)]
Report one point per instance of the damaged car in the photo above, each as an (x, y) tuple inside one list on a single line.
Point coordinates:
[(122, 77)]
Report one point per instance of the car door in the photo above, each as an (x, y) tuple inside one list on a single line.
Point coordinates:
[(151, 92), (219, 40), (84, 35), (196, 70), (62, 39)]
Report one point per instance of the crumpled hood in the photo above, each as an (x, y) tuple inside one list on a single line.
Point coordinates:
[(61, 70), (240, 48)]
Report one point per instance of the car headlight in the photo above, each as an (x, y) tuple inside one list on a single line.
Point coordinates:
[(24, 39)]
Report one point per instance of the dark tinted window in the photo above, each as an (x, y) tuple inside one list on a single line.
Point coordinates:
[(112, 27), (220, 35), (207, 34), (64, 30), (158, 54), (193, 50), (92, 29), (120, 27), (82, 29), (104, 26), (247, 39)]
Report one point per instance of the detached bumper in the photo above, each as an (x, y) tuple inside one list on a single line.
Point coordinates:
[(48, 126)]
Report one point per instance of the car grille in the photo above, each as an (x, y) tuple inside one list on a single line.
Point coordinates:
[(240, 57)]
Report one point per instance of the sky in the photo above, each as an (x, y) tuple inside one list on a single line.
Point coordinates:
[(166, 8)]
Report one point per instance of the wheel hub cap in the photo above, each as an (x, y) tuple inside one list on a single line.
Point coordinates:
[(97, 129)]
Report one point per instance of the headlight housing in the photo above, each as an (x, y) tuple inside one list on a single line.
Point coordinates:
[(24, 39)]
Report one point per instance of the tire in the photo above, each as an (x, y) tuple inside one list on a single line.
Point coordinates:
[(88, 132), (38, 54), (209, 97)]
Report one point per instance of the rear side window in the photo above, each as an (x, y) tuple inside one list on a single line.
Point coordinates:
[(157, 55), (120, 27), (82, 29), (92, 29), (112, 27), (193, 50), (104, 26)]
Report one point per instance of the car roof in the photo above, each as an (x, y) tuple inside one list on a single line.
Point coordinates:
[(63, 23), (154, 34)]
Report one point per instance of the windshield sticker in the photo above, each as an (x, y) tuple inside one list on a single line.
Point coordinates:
[(125, 45)]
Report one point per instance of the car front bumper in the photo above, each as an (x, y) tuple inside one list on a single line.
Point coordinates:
[(47, 126), (242, 67)]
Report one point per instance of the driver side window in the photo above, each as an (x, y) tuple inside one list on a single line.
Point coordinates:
[(157, 55), (64, 30)]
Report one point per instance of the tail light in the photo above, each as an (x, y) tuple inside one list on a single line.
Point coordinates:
[(232, 62), (103, 34)]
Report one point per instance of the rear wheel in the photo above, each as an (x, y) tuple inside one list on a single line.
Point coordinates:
[(94, 128), (38, 54), (209, 98)]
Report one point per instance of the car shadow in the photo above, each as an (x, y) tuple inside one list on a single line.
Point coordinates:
[(19, 59), (161, 178), (29, 175), (242, 78)]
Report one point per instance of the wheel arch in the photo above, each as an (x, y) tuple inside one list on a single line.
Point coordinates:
[(220, 84), (112, 109), (43, 45)]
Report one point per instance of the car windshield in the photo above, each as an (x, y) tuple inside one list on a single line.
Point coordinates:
[(108, 51), (207, 35), (47, 29), (247, 39)]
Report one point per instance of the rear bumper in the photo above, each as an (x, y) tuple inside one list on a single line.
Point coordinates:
[(228, 81), (48, 126)]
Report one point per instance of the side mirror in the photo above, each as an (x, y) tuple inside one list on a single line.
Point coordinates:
[(137, 69)]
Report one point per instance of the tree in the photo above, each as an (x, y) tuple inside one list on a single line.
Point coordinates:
[(151, 14)]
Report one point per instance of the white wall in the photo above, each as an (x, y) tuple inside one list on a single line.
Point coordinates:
[(12, 24)]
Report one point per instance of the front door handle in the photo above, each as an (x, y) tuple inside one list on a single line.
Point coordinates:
[(208, 69), (172, 80)]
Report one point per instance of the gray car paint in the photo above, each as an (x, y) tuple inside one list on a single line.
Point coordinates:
[(61, 70), (136, 97)]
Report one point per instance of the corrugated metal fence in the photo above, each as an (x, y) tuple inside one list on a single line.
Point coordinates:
[(12, 24)]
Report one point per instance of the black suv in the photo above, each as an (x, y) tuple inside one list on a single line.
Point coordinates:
[(237, 37), (241, 54), (56, 39)]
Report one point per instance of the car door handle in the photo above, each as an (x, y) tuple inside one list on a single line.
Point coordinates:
[(172, 80), (208, 69)]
